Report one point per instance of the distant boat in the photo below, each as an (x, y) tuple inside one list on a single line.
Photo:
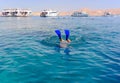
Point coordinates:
[(106, 14), (16, 12), (79, 14), (0, 13), (49, 13)]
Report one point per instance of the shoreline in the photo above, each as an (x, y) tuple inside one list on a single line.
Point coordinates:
[(90, 12)]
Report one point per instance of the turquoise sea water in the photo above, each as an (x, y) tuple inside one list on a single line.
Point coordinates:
[(29, 52)]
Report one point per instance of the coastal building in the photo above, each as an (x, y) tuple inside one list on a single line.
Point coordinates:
[(48, 13), (16, 12), (79, 14)]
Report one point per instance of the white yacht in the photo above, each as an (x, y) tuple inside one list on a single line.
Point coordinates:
[(107, 14), (79, 14), (0, 13), (16, 12), (48, 13)]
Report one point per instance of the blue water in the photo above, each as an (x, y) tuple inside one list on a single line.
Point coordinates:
[(29, 50)]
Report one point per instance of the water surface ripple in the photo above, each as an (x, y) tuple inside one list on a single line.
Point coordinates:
[(29, 51)]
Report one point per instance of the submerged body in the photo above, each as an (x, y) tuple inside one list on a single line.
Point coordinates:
[(64, 44)]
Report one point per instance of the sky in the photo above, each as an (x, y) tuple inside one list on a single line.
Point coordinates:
[(60, 5)]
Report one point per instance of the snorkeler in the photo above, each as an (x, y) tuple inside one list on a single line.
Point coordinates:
[(63, 43)]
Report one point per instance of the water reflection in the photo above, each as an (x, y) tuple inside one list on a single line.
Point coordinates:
[(66, 50)]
